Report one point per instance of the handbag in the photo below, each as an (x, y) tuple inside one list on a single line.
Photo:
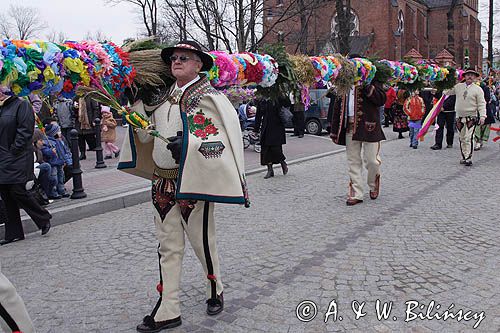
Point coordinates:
[(38, 193), (285, 115)]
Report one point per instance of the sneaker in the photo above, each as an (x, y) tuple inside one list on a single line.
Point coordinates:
[(462, 161), (415, 147), (468, 163), (108, 157), (449, 146)]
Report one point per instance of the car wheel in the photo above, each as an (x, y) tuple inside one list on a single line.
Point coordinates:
[(313, 126)]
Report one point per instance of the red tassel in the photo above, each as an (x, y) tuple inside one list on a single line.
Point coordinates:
[(159, 287), (211, 277)]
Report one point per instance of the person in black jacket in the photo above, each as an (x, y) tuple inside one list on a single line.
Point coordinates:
[(445, 117), (88, 110), (272, 133), (17, 123)]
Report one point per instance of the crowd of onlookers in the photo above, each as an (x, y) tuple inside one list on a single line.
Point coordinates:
[(51, 141), (406, 112)]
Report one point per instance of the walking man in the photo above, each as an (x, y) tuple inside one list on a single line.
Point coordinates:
[(469, 104), (203, 165), (356, 124), (13, 314)]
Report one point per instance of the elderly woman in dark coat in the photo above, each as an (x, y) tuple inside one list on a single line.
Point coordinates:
[(272, 133), (17, 123)]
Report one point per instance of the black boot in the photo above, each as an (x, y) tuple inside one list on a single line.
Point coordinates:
[(270, 171), (284, 167)]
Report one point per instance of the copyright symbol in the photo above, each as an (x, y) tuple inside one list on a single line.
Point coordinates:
[(306, 311)]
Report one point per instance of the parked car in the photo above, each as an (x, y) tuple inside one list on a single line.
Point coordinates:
[(316, 115)]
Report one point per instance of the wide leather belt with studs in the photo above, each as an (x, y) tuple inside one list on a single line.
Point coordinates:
[(167, 173)]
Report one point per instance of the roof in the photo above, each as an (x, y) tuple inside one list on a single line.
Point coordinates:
[(444, 54), (413, 54)]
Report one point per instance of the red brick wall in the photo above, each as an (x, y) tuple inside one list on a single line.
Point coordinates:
[(381, 17)]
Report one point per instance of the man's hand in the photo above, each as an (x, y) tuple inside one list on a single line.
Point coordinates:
[(175, 146), (481, 120)]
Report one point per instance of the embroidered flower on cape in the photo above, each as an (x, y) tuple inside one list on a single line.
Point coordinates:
[(201, 126)]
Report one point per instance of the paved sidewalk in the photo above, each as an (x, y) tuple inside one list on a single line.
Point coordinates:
[(108, 189), (431, 236)]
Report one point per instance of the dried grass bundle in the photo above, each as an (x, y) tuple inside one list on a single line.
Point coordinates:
[(150, 68), (303, 69), (345, 79)]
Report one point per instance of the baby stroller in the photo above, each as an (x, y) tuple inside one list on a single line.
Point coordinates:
[(246, 115)]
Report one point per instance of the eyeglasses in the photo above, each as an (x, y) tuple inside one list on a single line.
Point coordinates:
[(183, 59)]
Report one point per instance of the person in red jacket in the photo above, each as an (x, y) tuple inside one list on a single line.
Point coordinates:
[(390, 99), (414, 108)]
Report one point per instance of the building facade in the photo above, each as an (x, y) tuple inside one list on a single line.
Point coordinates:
[(383, 28)]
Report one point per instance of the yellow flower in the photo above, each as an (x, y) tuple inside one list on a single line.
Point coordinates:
[(48, 74), (33, 75), (16, 89), (74, 65), (85, 77)]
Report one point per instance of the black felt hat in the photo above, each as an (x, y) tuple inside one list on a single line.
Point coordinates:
[(192, 46)]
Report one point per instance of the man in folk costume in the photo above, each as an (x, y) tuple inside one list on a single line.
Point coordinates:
[(204, 165), (469, 104), (13, 315), (356, 124)]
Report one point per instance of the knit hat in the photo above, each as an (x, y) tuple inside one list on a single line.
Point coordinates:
[(52, 129)]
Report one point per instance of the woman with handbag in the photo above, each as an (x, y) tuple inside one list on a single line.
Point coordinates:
[(17, 122), (272, 133)]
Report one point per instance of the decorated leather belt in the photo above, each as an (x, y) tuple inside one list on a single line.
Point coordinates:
[(167, 173)]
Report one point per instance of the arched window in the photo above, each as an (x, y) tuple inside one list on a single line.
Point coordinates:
[(401, 22), (353, 24)]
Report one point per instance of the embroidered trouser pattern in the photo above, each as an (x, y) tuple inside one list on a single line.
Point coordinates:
[(13, 314), (173, 219), (466, 127), (372, 162)]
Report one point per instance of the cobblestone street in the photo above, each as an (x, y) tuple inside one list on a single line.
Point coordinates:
[(433, 235)]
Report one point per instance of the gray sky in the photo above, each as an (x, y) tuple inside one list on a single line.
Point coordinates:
[(77, 17)]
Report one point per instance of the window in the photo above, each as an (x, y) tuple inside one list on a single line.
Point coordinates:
[(353, 24), (401, 22)]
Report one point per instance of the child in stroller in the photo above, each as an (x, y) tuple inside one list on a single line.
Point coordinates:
[(246, 115)]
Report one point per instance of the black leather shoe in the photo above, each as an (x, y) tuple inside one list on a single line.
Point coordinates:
[(284, 167), (46, 228), (352, 201), (436, 147), (149, 325), (215, 305), (12, 240)]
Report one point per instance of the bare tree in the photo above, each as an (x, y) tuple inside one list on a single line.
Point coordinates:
[(21, 22), (5, 27), (98, 36), (56, 37), (149, 13), (235, 25)]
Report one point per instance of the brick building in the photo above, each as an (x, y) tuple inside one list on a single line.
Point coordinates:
[(385, 28)]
